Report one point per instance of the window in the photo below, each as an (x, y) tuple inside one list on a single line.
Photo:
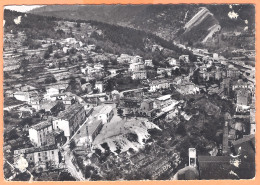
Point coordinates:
[(46, 158), (30, 159), (39, 154), (40, 159), (52, 152)]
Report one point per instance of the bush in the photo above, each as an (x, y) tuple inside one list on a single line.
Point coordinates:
[(46, 55), (12, 135), (181, 130), (65, 176), (57, 55), (50, 79)]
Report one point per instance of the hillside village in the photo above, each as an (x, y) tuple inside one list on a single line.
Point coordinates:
[(80, 105)]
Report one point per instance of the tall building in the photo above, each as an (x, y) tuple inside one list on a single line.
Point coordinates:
[(70, 119)]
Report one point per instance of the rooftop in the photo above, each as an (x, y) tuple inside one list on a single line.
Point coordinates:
[(165, 97), (106, 109), (211, 159), (41, 125), (148, 100), (215, 167), (47, 105), (68, 113), (93, 126), (57, 132), (39, 149), (245, 139), (156, 82)]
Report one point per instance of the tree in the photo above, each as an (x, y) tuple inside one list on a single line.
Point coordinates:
[(120, 112), (83, 81), (72, 144), (13, 134), (50, 49), (80, 58), (166, 75), (181, 129), (57, 108), (60, 32), (50, 79), (65, 176), (114, 62), (57, 55), (73, 51), (46, 55), (78, 24), (24, 64)]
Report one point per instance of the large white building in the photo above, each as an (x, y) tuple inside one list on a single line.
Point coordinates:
[(39, 132), (106, 114), (70, 119), (50, 92), (139, 75), (148, 63), (163, 101), (159, 85), (136, 67)]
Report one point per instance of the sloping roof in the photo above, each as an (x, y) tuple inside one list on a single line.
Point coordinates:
[(28, 88), (56, 132), (148, 101), (47, 105), (93, 126), (211, 159), (215, 167), (244, 140), (41, 125), (39, 149), (156, 82), (106, 109), (68, 113)]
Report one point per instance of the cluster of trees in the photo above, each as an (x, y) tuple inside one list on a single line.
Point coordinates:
[(31, 43), (35, 26)]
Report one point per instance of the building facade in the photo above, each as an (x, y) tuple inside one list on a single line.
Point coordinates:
[(41, 157), (139, 75), (70, 119)]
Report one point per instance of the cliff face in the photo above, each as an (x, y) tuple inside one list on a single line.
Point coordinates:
[(199, 18), (201, 26)]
